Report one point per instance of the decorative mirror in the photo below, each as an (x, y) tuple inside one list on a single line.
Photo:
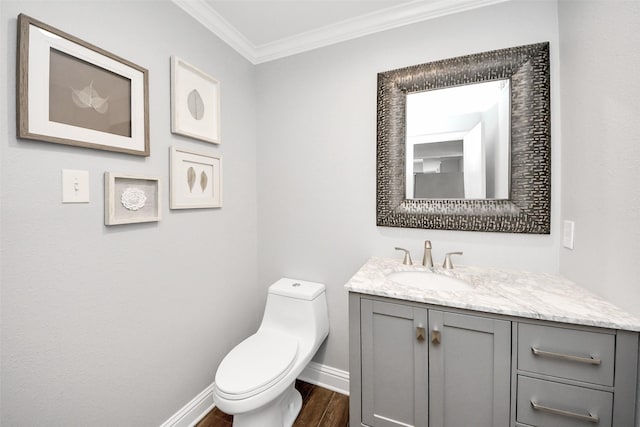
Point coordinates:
[(465, 143)]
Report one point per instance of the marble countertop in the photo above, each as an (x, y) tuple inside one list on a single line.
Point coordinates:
[(501, 291)]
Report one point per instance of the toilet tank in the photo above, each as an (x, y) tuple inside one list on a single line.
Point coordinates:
[(297, 307)]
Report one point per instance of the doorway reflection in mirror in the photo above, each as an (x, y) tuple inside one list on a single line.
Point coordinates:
[(458, 142)]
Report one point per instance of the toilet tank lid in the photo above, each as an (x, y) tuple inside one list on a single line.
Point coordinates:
[(300, 289)]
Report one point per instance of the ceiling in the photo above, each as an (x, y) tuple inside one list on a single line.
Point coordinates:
[(263, 22), (264, 30)]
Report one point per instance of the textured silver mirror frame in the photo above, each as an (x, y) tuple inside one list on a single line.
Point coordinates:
[(528, 209)]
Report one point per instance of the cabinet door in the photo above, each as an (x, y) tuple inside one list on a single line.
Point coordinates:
[(469, 371), (394, 365)]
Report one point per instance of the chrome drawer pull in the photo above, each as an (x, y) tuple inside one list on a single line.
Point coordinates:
[(593, 360), (569, 414)]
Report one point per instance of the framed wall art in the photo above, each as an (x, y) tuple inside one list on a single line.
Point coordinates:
[(195, 102), (196, 180), (74, 93), (131, 199)]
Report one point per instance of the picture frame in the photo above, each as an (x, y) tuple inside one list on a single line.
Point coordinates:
[(74, 93), (130, 199), (196, 180), (195, 102)]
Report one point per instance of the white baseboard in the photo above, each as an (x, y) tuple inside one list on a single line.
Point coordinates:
[(326, 377), (193, 411), (315, 373)]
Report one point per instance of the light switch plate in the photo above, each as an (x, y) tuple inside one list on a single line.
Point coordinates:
[(568, 232), (75, 186)]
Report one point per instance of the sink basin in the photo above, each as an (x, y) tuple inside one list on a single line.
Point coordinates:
[(428, 280)]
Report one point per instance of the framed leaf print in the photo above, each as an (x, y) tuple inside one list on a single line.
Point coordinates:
[(195, 102), (196, 180), (74, 93)]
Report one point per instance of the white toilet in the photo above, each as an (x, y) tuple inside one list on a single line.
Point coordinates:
[(255, 381)]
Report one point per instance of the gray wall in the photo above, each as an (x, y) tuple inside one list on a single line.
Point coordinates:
[(123, 325), (317, 151), (600, 62)]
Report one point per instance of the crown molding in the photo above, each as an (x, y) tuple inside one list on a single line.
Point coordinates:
[(381, 20), (214, 22)]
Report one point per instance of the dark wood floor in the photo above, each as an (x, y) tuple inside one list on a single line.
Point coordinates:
[(320, 408)]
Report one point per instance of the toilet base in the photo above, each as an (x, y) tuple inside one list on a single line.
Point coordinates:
[(281, 412)]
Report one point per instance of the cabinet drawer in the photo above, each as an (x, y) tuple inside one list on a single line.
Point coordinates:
[(566, 353), (550, 404)]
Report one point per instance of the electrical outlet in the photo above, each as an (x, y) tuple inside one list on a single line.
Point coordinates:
[(568, 232), (75, 186)]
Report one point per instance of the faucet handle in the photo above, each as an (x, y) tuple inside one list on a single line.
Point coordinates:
[(447, 260), (407, 256)]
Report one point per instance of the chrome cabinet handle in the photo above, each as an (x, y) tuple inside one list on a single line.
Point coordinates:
[(436, 337), (589, 417), (593, 360)]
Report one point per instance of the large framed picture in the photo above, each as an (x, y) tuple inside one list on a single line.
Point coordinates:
[(195, 102), (71, 92), (196, 180), (130, 199)]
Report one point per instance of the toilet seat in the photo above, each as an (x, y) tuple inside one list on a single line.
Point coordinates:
[(256, 364)]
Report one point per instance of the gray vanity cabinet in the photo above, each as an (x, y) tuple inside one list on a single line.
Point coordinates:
[(423, 367), (394, 364), (469, 375), (574, 376), (414, 364)]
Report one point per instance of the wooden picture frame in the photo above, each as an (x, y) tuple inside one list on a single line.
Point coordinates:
[(196, 180), (131, 199), (74, 93), (195, 102)]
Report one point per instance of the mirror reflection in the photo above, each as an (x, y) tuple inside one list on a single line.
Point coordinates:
[(458, 142)]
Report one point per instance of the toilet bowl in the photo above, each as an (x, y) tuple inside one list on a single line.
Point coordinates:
[(255, 381)]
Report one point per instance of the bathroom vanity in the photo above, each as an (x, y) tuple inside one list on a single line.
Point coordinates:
[(508, 348)]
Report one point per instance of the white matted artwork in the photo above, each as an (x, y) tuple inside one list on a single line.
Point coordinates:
[(195, 102), (196, 180), (131, 199), (74, 93)]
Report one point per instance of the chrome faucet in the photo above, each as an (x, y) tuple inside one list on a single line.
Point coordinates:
[(447, 260), (407, 256), (427, 260)]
